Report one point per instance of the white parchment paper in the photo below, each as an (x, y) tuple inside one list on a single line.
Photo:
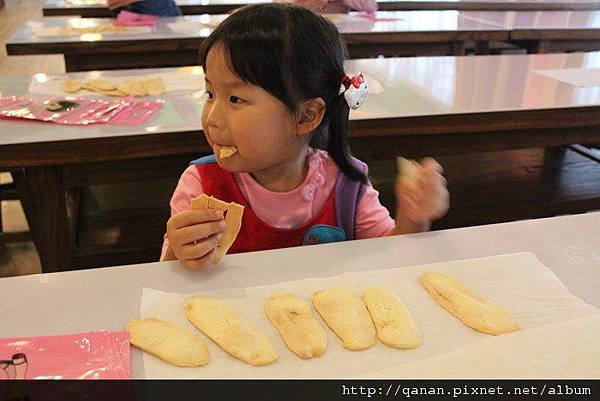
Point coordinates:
[(519, 282)]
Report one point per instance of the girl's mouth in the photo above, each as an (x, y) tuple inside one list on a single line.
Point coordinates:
[(225, 151)]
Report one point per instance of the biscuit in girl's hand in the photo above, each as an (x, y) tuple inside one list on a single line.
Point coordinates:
[(471, 308), (168, 342), (233, 220)]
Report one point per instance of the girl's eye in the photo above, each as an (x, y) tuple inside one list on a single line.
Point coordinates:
[(234, 99), (209, 94)]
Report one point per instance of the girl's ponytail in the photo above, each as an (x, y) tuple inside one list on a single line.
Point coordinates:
[(337, 140)]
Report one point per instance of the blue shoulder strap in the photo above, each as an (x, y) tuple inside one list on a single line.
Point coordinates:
[(347, 196), (204, 160)]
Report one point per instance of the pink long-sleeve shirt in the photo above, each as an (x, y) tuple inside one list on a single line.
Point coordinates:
[(296, 207)]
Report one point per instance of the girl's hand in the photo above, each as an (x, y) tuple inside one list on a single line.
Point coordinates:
[(193, 236), (112, 4), (421, 199)]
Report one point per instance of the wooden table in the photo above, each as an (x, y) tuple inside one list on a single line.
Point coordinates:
[(72, 302), (416, 107), (548, 31), (393, 33), (489, 5), (96, 9)]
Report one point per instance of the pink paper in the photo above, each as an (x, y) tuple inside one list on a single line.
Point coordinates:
[(127, 18), (79, 111), (91, 355)]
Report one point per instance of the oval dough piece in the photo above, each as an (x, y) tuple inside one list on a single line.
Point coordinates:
[(346, 314), (230, 330), (168, 342), (100, 84), (71, 85), (154, 86), (395, 326), (471, 308), (133, 87), (294, 320)]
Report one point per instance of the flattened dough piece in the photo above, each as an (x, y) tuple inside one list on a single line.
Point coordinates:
[(346, 314), (154, 86), (100, 84), (294, 320), (168, 342), (115, 92), (474, 310), (230, 330), (233, 221), (394, 323), (133, 87), (71, 85)]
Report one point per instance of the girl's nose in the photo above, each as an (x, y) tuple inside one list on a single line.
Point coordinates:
[(214, 113)]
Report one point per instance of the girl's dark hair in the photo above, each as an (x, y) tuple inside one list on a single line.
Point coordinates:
[(295, 55)]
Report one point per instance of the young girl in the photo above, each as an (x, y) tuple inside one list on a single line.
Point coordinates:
[(277, 92)]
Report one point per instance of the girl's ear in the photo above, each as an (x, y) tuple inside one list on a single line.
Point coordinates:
[(310, 115)]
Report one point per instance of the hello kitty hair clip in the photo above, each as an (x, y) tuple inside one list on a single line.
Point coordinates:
[(354, 89)]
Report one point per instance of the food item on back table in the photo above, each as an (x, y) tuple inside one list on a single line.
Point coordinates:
[(471, 308), (230, 330), (71, 86), (137, 87), (154, 86), (296, 324), (132, 87), (347, 315), (168, 342), (395, 326), (233, 220)]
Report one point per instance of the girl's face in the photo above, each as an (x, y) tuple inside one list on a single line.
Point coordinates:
[(246, 116)]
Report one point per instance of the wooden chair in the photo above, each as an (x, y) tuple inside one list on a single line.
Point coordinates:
[(8, 192)]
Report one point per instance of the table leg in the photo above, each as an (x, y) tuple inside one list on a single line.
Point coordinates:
[(44, 199)]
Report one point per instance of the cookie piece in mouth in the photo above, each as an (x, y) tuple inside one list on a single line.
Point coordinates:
[(227, 151)]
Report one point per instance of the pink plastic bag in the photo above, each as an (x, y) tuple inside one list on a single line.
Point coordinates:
[(79, 111), (91, 355), (127, 18)]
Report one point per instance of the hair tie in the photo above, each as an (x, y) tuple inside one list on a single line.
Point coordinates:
[(355, 90)]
